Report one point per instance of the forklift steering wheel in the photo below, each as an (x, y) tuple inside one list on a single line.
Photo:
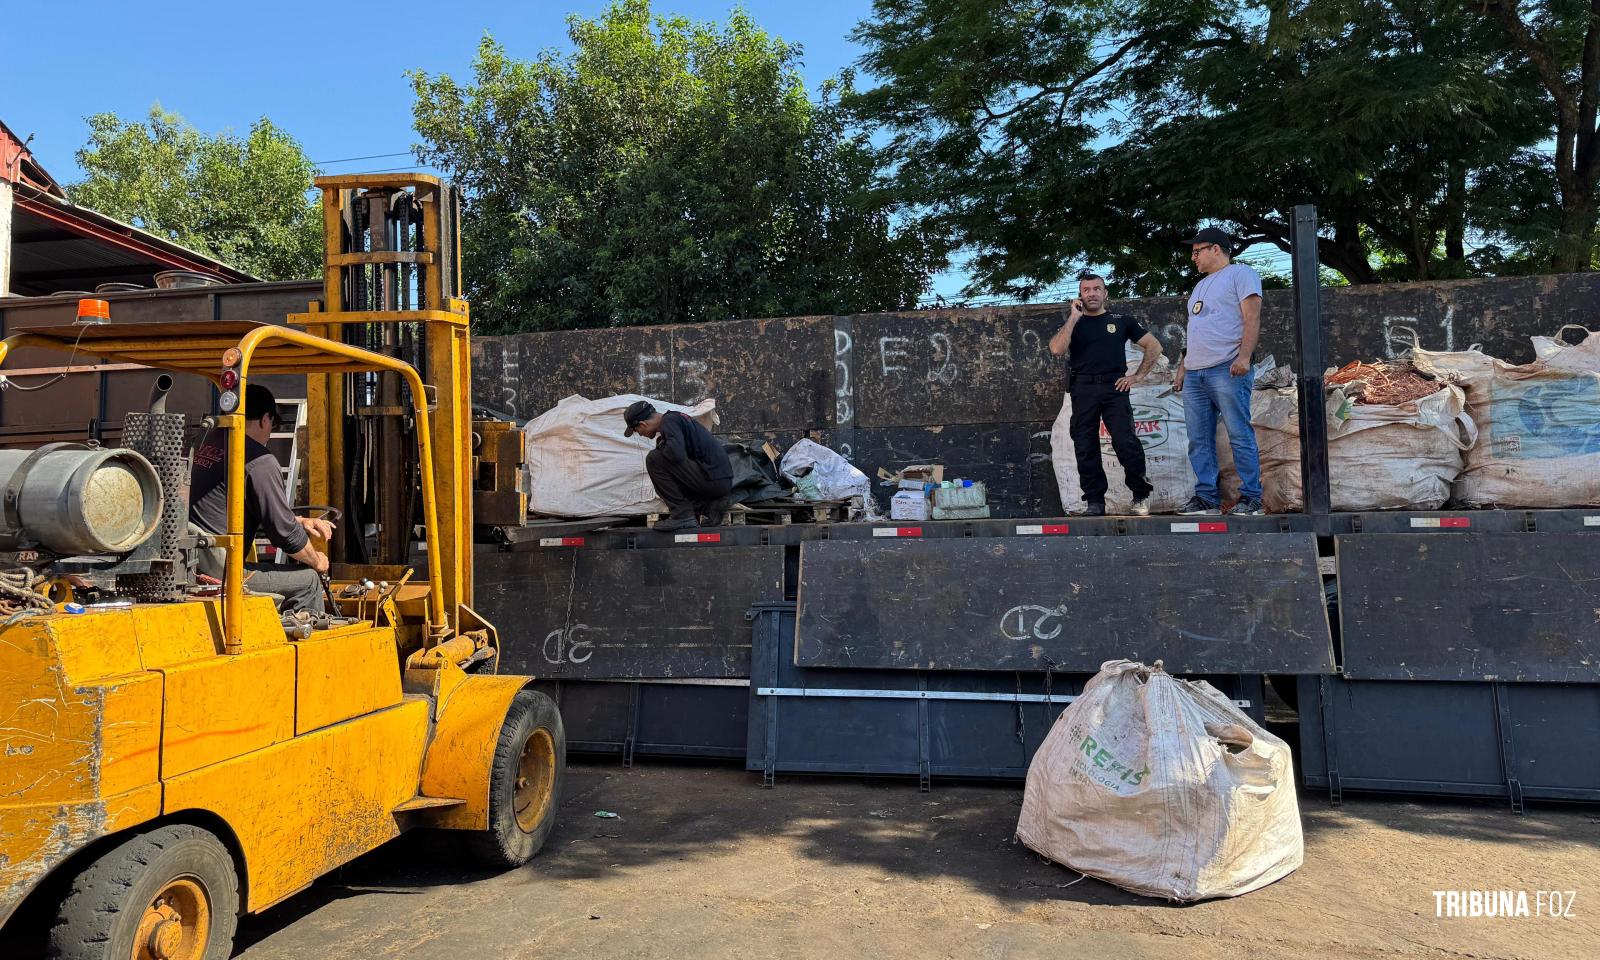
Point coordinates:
[(319, 512)]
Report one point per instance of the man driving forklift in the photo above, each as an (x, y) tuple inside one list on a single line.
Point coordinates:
[(266, 507)]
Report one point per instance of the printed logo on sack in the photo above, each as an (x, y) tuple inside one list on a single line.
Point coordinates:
[(1545, 419), (1094, 763), (1149, 425)]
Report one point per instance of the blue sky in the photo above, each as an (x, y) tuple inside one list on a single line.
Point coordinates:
[(331, 73)]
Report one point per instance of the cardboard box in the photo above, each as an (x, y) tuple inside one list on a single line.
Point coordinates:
[(908, 505), (916, 473)]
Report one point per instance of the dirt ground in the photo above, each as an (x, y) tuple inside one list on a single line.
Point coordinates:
[(705, 863)]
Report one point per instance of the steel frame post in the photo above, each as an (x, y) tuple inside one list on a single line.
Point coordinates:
[(1309, 366)]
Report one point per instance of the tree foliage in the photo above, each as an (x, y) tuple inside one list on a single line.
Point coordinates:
[(663, 171), (1560, 42), (1043, 136), (244, 201)]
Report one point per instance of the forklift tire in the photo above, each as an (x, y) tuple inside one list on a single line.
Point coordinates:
[(530, 763), (168, 892)]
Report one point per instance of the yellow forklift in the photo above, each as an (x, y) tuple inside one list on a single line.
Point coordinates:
[(174, 751)]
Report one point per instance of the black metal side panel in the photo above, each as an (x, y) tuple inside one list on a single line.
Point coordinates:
[(967, 724), (825, 734), (1513, 740), (596, 715), (652, 719), (1206, 603), (1490, 606), (1409, 737), (1555, 730), (627, 613)]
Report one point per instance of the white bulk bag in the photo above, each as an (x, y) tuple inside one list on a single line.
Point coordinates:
[(835, 478), (1162, 787), (1538, 424), (1158, 422), (580, 465), (1382, 457)]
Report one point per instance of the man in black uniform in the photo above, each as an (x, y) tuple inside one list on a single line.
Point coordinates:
[(1094, 342), (266, 506), (688, 467)]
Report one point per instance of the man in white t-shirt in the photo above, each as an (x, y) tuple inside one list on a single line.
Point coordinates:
[(1215, 377)]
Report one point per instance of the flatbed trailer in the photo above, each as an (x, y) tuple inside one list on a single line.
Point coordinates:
[(1471, 669), (1450, 651)]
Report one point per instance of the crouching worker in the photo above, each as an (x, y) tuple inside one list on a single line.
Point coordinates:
[(265, 507), (688, 467)]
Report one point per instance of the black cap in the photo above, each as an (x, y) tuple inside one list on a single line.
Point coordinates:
[(1215, 235), (638, 412), (258, 402)]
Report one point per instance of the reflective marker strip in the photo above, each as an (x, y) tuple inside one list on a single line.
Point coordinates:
[(897, 531), (1441, 522), (1212, 527), (560, 541), (1045, 528), (697, 538), (1591, 521)]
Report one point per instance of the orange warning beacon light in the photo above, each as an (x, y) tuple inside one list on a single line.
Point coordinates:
[(94, 311)]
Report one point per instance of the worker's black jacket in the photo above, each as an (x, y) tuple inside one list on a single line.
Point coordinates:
[(683, 438)]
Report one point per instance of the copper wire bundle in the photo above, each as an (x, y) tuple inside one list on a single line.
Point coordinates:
[(1382, 383)]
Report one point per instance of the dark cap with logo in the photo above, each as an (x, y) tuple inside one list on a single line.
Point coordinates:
[(259, 402), (638, 412), (1214, 235)]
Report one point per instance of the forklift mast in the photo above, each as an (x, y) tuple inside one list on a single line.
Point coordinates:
[(391, 275)]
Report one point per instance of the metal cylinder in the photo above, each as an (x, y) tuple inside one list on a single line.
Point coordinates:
[(75, 501)]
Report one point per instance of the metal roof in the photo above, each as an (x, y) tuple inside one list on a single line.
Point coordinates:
[(57, 245)]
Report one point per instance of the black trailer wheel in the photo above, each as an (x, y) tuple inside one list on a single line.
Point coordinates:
[(530, 763), (170, 893)]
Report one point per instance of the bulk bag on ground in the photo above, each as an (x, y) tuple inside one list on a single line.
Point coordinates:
[(1538, 424), (580, 465), (1162, 787)]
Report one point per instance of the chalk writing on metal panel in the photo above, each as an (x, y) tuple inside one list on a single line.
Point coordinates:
[(892, 350), (564, 646), (1175, 336), (994, 357), (1401, 333), (1032, 622), (1034, 438), (654, 373), (943, 368), (842, 343), (1033, 348), (510, 373), (690, 373)]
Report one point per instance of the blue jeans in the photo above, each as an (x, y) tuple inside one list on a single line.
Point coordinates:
[(1207, 393)]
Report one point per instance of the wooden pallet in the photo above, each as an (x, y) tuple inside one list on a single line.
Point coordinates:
[(777, 512), (790, 511)]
